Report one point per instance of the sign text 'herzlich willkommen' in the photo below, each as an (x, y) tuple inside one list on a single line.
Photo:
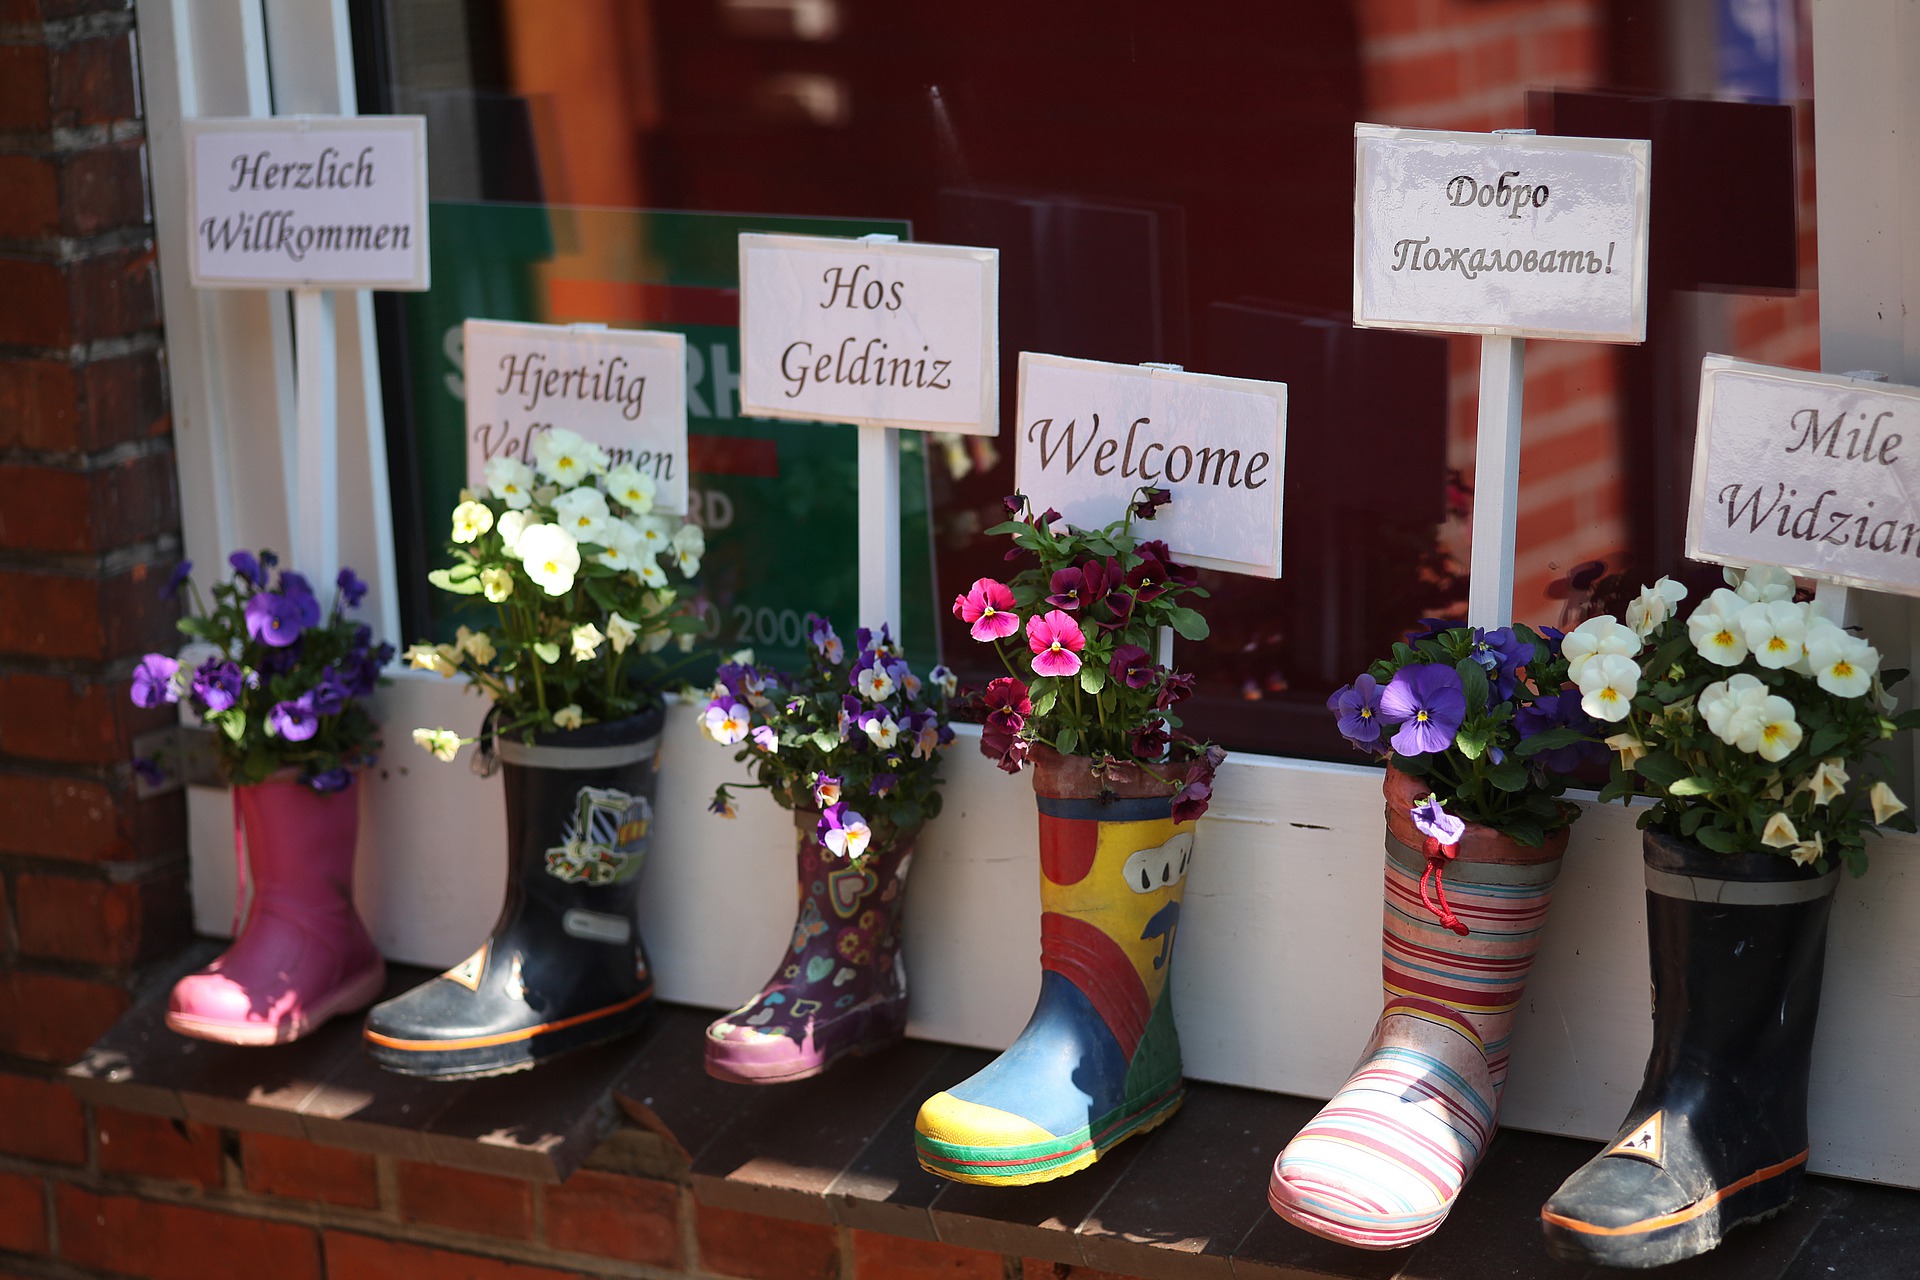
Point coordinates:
[(1816, 473), (1091, 433), (321, 202)]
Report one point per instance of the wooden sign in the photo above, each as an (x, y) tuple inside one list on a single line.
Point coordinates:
[(1816, 473), (875, 333), (1505, 234), (321, 202), (1091, 433), (623, 389)]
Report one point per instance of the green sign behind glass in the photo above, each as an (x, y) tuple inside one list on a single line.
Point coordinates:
[(778, 500)]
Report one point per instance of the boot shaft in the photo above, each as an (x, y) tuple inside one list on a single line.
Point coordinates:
[(848, 925), (300, 842), (1737, 949)]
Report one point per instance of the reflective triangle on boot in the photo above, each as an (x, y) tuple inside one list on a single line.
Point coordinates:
[(1099, 1060), (1718, 1134), (1383, 1163)]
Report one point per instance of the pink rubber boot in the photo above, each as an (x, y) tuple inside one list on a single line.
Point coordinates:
[(302, 955)]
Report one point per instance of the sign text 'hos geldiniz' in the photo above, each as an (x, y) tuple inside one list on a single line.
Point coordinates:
[(889, 334), (1816, 473), (623, 389), (324, 202), (1505, 234), (1091, 433)]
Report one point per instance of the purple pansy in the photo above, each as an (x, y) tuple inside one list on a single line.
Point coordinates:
[(1502, 653), (299, 592), (274, 619), (217, 684), (330, 780), (1356, 709), (1432, 820), (294, 720), (153, 681), (1427, 702), (247, 565), (177, 579), (330, 696), (353, 588), (1558, 711), (1132, 666)]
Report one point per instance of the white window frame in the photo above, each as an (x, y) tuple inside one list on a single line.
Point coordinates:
[(1277, 985)]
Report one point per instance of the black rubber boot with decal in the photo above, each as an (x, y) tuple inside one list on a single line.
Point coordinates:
[(564, 967), (1718, 1134)]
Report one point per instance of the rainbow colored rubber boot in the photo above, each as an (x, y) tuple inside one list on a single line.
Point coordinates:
[(1099, 1060)]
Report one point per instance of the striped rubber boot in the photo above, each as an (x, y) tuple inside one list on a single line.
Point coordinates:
[(1383, 1162), (1099, 1060)]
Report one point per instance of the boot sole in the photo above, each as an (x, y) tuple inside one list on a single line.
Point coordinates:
[(356, 993), (475, 1057), (1066, 1155), (1670, 1237), (780, 1073), (1359, 1231)]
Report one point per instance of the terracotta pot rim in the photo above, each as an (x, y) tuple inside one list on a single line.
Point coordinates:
[(1479, 844)]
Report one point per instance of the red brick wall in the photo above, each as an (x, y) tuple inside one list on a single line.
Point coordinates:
[(92, 880), (92, 1190)]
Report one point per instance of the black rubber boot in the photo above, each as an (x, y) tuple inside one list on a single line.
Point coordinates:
[(564, 967), (1718, 1135)]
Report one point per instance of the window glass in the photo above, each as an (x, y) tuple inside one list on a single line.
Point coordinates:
[(1164, 184)]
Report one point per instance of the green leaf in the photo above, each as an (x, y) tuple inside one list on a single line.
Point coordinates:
[(1067, 740), (1508, 775), (1717, 840), (1471, 743), (1473, 678), (547, 652), (445, 580), (1551, 740), (1619, 787), (1691, 818), (1093, 677), (1044, 699), (1695, 786), (1662, 768), (1187, 624)]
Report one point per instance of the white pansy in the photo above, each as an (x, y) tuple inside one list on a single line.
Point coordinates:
[(655, 641), (1597, 637), (1765, 726), (477, 645), (648, 567), (569, 716), (1715, 630), (1809, 851), (1885, 803), (1780, 833), (566, 457), (1654, 605), (875, 684), (1827, 782), (1761, 584), (497, 583), (582, 513), (444, 744), (1775, 632), (656, 535), (689, 544), (619, 545), (511, 481), (1720, 700), (1629, 748), (1819, 630), (586, 641), (470, 520), (628, 487), (1607, 683), (884, 732), (443, 658), (620, 632), (1844, 665), (726, 725), (512, 525), (551, 557)]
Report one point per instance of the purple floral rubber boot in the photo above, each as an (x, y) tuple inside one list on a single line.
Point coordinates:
[(841, 987)]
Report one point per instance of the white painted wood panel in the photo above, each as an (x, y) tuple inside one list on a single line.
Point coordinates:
[(1278, 974)]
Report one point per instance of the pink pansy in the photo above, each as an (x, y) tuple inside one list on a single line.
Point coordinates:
[(988, 608), (1056, 642)]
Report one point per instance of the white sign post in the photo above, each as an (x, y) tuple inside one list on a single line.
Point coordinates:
[(623, 389), (1817, 473), (876, 332), (312, 204), (1510, 236)]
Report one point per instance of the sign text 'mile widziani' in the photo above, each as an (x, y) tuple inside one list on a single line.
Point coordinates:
[(1816, 473)]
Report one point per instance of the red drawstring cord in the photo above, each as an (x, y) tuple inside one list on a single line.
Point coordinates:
[(1438, 856)]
